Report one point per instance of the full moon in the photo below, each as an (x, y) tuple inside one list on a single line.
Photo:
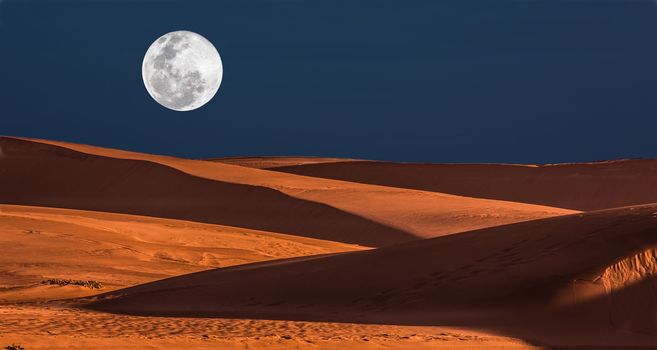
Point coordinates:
[(182, 70)]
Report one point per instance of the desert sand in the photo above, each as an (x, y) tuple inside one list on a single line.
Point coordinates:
[(276, 162), (125, 250), (59, 326), (559, 275), (577, 186), (88, 177), (321, 253)]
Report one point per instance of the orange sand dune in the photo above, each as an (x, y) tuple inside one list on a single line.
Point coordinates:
[(123, 250), (44, 175), (240, 196), (275, 162), (586, 279), (579, 186), (580, 279)]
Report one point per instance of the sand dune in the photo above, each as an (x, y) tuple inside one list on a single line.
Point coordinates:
[(556, 280), (124, 250), (43, 175), (578, 186), (275, 162), (246, 197)]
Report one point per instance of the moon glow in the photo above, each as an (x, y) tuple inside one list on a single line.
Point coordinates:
[(182, 70)]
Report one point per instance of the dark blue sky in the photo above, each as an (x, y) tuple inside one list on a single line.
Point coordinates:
[(442, 81)]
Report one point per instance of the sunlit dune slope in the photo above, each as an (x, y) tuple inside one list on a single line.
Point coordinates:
[(272, 201), (578, 186), (275, 162), (44, 175), (123, 250), (547, 266)]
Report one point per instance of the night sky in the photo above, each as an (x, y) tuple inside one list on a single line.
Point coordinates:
[(532, 81)]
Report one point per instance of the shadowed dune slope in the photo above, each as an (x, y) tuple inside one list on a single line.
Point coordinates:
[(579, 186), (44, 175), (550, 265), (417, 213), (121, 250)]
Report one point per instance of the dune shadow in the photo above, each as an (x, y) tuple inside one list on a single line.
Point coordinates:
[(578, 186), (44, 175), (623, 319), (533, 281)]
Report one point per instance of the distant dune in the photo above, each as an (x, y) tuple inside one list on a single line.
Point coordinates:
[(275, 162), (123, 250), (553, 279), (55, 174), (578, 186)]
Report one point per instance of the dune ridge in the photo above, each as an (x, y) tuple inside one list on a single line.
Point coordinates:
[(276, 161), (478, 278), (44, 175), (399, 214), (577, 186)]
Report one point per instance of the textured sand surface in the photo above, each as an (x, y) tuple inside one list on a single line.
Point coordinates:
[(123, 250), (60, 327)]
